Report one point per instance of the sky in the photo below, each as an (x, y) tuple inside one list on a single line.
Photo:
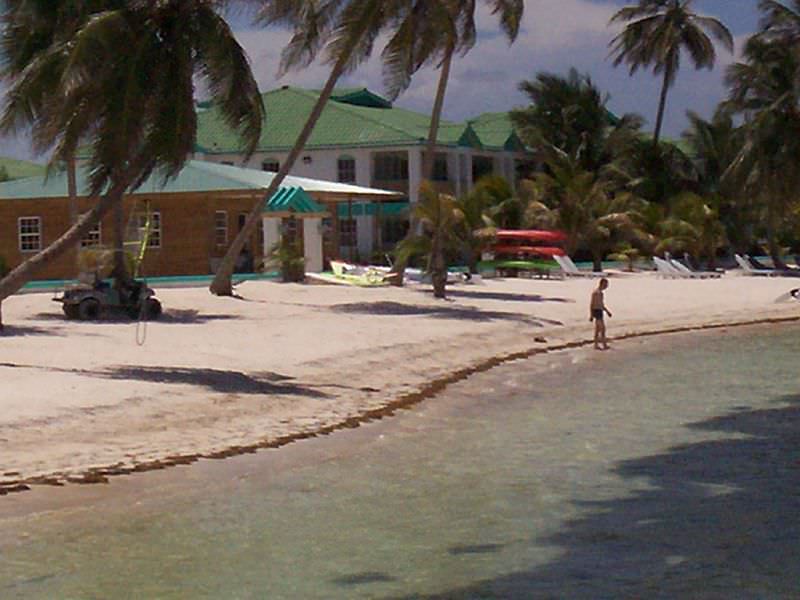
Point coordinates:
[(556, 35)]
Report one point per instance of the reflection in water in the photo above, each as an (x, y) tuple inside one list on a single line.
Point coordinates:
[(644, 472)]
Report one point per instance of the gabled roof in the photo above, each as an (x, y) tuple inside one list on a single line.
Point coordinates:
[(496, 130), (353, 118), (196, 176), (293, 200), (17, 169)]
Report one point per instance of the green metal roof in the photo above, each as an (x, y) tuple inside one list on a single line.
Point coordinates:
[(196, 176), (353, 118), (293, 199), (17, 169), (496, 130)]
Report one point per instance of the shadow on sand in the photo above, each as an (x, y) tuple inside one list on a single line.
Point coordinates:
[(464, 313), (222, 381), (169, 317), (507, 296), (10, 331), (719, 520)]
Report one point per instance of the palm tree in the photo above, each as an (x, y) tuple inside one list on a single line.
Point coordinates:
[(348, 30), (764, 90), (588, 207), (439, 216), (434, 30), (133, 110), (656, 33), (693, 226)]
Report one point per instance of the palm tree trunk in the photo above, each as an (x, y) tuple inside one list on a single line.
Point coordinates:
[(662, 105), (19, 276), (221, 285), (120, 268), (429, 161)]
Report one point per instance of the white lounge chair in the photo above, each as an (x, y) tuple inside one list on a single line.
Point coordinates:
[(570, 269), (687, 272), (747, 269), (666, 270)]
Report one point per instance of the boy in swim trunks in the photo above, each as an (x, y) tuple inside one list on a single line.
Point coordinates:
[(597, 311)]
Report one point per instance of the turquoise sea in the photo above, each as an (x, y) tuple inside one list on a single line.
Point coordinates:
[(668, 467)]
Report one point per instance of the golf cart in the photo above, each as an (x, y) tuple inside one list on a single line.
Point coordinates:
[(88, 301)]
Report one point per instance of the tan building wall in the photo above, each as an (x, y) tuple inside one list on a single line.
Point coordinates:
[(188, 236)]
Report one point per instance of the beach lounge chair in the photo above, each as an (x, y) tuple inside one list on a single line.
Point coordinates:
[(785, 272), (666, 270), (747, 268), (689, 273), (570, 269)]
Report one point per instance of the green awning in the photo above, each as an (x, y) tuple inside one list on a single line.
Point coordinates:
[(295, 200), (360, 209)]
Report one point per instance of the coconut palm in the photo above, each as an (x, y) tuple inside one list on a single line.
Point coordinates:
[(134, 111), (439, 217), (693, 227), (590, 208), (715, 145), (656, 34), (764, 89), (346, 30)]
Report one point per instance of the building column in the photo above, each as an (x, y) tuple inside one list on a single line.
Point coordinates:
[(272, 233), (468, 174), (312, 244), (414, 174)]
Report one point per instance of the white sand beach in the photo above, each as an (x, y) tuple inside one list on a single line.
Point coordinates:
[(220, 376)]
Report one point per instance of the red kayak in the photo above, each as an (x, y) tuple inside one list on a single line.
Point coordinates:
[(534, 250), (530, 235)]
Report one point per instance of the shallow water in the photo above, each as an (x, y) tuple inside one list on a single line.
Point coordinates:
[(667, 468)]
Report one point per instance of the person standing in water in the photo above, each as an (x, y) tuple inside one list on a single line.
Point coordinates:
[(597, 312)]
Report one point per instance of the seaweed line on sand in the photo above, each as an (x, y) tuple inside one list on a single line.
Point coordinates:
[(403, 402)]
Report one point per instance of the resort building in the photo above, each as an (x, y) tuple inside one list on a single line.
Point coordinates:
[(362, 139), (183, 226)]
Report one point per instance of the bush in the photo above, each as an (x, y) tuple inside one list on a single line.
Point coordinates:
[(289, 258)]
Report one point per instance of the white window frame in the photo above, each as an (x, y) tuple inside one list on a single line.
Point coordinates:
[(271, 162), (220, 226), (346, 165), (94, 237), (26, 236), (155, 230)]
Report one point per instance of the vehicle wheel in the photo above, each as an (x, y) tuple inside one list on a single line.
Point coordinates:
[(152, 309), (89, 309), (70, 310)]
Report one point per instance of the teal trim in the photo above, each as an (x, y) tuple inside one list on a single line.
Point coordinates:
[(50, 285), (293, 199), (361, 209)]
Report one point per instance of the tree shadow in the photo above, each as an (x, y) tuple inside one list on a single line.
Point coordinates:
[(216, 380), (508, 296), (461, 313), (168, 317), (27, 331), (718, 519)]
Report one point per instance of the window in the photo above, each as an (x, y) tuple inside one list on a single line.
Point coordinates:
[(347, 169), (391, 166), (393, 230), (149, 224), (348, 233), (30, 234), (481, 167), (271, 164), (93, 239), (440, 168), (221, 228)]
